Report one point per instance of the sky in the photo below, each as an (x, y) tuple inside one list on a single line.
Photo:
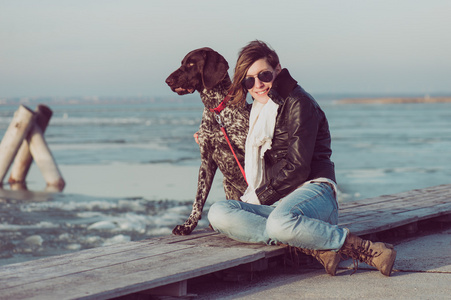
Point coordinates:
[(54, 48)]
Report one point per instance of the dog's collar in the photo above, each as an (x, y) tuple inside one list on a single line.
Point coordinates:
[(221, 105)]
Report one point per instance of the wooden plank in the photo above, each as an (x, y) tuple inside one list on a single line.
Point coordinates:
[(387, 215), (412, 196), (369, 201), (373, 227), (405, 204), (82, 255), (395, 204), (198, 234), (83, 263), (223, 241), (426, 212), (388, 220), (134, 276), (100, 251)]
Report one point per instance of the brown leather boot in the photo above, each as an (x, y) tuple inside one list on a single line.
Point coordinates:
[(329, 259), (379, 255)]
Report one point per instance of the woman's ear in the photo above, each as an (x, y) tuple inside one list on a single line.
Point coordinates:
[(278, 69)]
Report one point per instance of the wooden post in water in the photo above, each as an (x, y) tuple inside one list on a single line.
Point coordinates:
[(18, 129), (44, 159), (23, 158)]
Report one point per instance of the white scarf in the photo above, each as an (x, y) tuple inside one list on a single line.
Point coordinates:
[(259, 138)]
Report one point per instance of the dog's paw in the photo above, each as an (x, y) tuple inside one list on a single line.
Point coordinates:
[(182, 230)]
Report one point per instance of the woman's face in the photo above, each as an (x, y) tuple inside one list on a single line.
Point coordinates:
[(260, 89)]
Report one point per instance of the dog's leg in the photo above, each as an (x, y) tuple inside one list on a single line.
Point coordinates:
[(232, 193), (206, 174)]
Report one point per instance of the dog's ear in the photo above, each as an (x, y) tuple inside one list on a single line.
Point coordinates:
[(214, 70)]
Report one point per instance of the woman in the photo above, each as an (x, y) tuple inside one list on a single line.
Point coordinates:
[(291, 197)]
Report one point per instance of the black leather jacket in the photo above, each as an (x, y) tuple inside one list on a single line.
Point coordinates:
[(300, 148)]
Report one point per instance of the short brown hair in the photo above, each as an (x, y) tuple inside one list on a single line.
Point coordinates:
[(254, 51)]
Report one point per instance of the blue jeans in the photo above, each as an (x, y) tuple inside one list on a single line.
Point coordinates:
[(306, 218)]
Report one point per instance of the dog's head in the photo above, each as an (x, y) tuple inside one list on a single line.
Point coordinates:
[(201, 69)]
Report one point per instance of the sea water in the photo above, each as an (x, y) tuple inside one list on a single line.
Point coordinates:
[(377, 149)]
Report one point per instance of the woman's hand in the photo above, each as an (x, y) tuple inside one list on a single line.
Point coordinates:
[(196, 137)]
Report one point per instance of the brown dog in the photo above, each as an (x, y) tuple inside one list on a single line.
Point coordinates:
[(205, 71)]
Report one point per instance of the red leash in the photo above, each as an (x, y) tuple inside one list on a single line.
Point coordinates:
[(217, 110)]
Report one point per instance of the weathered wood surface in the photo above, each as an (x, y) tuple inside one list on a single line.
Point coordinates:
[(24, 159), (112, 275), (18, 129), (390, 211), (108, 272), (44, 159)]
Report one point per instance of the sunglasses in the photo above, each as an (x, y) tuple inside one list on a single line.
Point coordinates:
[(264, 76)]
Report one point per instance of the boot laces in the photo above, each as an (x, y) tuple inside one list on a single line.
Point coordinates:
[(363, 253), (367, 254)]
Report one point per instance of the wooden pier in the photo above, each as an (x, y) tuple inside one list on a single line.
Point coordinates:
[(163, 266)]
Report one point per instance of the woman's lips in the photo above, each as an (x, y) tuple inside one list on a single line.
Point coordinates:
[(262, 92)]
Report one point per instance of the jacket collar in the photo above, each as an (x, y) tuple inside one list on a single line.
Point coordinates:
[(282, 86)]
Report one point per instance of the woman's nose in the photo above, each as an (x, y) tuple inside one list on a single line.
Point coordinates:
[(258, 83)]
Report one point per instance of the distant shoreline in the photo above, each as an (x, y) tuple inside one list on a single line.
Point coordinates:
[(394, 100)]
